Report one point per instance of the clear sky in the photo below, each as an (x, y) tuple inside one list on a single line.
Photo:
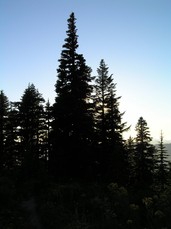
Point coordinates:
[(132, 36)]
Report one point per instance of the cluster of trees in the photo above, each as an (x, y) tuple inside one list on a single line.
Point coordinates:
[(79, 137)]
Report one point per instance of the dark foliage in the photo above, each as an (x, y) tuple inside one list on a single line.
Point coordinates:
[(67, 166), (4, 110), (108, 126), (162, 165), (72, 112), (144, 156)]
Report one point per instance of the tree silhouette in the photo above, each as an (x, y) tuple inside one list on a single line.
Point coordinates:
[(31, 127), (103, 87), (13, 157), (131, 153), (96, 178), (72, 111), (4, 111), (144, 155), (108, 122), (162, 164), (47, 138)]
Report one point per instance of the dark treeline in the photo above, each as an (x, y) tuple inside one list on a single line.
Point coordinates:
[(66, 165)]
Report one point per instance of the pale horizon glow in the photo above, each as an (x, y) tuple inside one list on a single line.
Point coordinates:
[(133, 37)]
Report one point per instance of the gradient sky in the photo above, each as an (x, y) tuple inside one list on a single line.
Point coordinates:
[(132, 36)]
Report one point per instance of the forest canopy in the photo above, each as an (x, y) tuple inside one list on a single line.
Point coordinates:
[(69, 160)]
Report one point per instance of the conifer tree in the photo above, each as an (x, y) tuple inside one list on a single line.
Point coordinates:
[(162, 164), (108, 118), (31, 126), (13, 158), (144, 157), (47, 141), (4, 110), (103, 87), (9, 155), (130, 149), (73, 120), (108, 121)]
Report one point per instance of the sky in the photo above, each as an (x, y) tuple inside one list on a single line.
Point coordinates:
[(132, 36)]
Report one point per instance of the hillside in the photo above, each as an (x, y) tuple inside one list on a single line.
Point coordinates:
[(168, 148)]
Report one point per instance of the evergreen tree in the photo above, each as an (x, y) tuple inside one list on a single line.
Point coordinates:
[(4, 110), (9, 154), (13, 158), (72, 111), (115, 126), (47, 141), (162, 164), (130, 149), (103, 86), (144, 157), (31, 127), (108, 122), (108, 118)]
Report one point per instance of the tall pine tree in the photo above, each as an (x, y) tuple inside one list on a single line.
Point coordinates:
[(31, 128), (47, 139), (144, 157), (8, 133), (162, 164), (131, 152), (12, 143), (4, 111), (108, 118), (108, 123), (72, 112)]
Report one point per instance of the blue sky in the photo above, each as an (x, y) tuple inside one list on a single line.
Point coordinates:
[(132, 36)]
